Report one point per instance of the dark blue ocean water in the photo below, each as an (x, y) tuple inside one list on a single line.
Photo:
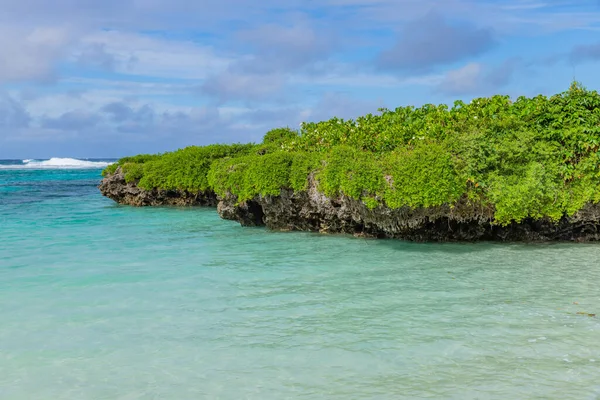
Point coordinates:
[(35, 182), (101, 301)]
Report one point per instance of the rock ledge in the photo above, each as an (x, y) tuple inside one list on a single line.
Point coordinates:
[(116, 188), (312, 211)]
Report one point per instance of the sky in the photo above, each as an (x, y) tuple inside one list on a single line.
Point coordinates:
[(109, 78)]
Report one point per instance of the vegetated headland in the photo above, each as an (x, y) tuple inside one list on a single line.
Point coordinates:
[(492, 169)]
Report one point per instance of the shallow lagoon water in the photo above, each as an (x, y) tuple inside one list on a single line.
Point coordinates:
[(100, 301)]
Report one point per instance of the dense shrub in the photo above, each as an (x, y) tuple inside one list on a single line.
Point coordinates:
[(110, 169), (303, 166), (187, 169), (528, 158), (133, 171), (422, 176), (280, 135), (140, 158), (352, 172), (248, 176), (184, 169)]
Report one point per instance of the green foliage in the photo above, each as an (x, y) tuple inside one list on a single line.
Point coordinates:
[(352, 172), (532, 193), (110, 169), (133, 172), (267, 175), (184, 169), (280, 135), (187, 169), (423, 176), (228, 176), (528, 158), (139, 159), (248, 176), (267, 148), (303, 165)]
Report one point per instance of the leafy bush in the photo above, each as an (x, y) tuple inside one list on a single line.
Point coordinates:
[(528, 158), (139, 159), (110, 169), (355, 173), (423, 176), (280, 135), (133, 172), (248, 176), (303, 166), (187, 169), (534, 193)]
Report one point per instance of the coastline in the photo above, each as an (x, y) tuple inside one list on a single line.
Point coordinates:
[(313, 211), (493, 169), (115, 187)]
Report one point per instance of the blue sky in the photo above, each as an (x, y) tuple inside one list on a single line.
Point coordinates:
[(90, 78)]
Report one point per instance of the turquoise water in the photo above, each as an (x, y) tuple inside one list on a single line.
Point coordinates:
[(100, 301)]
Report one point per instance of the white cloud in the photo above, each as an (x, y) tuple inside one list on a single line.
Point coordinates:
[(56, 104), (463, 80), (275, 59), (139, 54), (481, 79), (12, 113), (242, 86), (345, 75), (30, 54)]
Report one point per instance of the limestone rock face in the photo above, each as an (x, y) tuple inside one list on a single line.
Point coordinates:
[(248, 213), (465, 221), (311, 210), (116, 188)]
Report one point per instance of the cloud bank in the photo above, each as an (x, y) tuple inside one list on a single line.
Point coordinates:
[(99, 79)]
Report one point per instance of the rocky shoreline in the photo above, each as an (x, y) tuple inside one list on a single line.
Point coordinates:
[(115, 187), (312, 211)]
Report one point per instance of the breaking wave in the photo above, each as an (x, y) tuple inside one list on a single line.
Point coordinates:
[(57, 163)]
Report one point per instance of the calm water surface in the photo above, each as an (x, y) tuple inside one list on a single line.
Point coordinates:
[(100, 301)]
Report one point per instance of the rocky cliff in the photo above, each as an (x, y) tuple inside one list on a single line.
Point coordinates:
[(115, 187), (312, 211)]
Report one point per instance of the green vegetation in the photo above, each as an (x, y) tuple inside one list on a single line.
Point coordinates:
[(132, 160), (528, 158)]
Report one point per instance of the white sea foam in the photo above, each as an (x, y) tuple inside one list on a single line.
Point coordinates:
[(57, 163)]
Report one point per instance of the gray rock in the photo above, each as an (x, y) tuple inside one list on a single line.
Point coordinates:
[(116, 188), (464, 221), (312, 211)]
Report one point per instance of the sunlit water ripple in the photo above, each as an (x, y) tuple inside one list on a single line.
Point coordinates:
[(99, 301)]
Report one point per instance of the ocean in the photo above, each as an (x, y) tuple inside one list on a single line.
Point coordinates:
[(101, 301)]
